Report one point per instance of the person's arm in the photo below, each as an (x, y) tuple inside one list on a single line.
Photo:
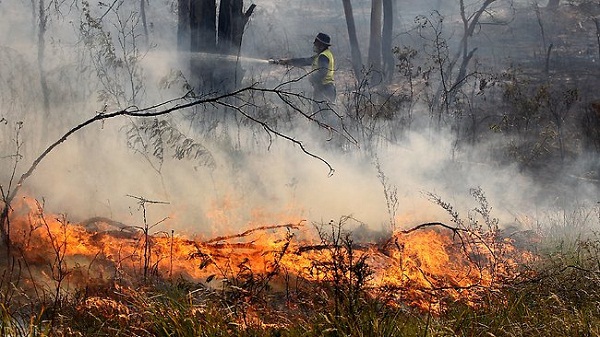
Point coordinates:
[(296, 62), (301, 62)]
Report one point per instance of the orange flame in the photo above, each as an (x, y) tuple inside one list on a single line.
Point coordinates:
[(421, 268)]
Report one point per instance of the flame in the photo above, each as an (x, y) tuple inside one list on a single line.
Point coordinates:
[(423, 268)]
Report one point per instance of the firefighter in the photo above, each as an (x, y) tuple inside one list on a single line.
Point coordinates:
[(321, 76)]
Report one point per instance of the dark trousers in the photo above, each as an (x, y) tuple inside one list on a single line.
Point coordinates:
[(326, 92), (324, 97)]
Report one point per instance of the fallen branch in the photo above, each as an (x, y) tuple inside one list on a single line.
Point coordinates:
[(250, 231), (304, 249), (455, 230), (237, 245)]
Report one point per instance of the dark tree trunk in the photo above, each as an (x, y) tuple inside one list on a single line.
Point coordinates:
[(230, 12), (203, 41), (386, 39), (354, 47), (553, 4), (203, 29), (375, 42), (197, 34), (232, 21), (183, 25)]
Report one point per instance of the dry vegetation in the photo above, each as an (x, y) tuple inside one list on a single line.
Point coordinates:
[(101, 278), (469, 277)]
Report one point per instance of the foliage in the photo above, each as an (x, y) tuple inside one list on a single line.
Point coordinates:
[(115, 55), (153, 137), (539, 119)]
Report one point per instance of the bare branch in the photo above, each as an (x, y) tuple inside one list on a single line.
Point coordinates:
[(431, 224), (143, 200), (281, 135), (165, 108), (250, 231), (160, 110)]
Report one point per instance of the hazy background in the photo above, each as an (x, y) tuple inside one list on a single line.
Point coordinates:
[(254, 182)]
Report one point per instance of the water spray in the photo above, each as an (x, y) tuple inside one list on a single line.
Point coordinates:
[(229, 58)]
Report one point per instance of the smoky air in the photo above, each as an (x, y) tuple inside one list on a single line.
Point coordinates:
[(104, 104)]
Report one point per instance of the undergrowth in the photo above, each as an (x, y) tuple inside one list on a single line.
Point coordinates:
[(562, 299), (556, 293)]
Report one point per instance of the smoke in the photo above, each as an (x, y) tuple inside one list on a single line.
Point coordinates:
[(260, 180), (96, 174)]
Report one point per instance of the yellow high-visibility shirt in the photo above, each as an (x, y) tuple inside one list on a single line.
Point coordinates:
[(329, 77)]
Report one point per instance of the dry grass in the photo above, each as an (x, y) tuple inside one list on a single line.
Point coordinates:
[(560, 298)]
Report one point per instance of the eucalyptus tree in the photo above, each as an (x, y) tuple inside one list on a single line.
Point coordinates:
[(202, 32), (374, 57), (380, 59), (553, 4), (386, 39), (354, 46)]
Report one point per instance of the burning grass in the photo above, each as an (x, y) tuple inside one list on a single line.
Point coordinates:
[(101, 278)]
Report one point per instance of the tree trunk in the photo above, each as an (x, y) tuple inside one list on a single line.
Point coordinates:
[(227, 18), (232, 21), (386, 39), (470, 22), (375, 42), (553, 4), (203, 42), (203, 29), (183, 25), (144, 21), (42, 26), (354, 47), (198, 32)]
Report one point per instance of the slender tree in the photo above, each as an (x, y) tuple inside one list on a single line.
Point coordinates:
[(354, 47), (144, 20), (375, 42), (42, 27), (553, 4), (470, 22), (386, 39)]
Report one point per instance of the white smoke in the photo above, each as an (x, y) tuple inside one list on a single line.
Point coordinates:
[(94, 173)]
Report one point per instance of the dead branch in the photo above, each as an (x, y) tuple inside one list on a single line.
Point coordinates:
[(143, 200), (161, 109), (250, 231), (237, 245), (472, 238), (455, 230), (270, 130), (303, 249), (431, 224)]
